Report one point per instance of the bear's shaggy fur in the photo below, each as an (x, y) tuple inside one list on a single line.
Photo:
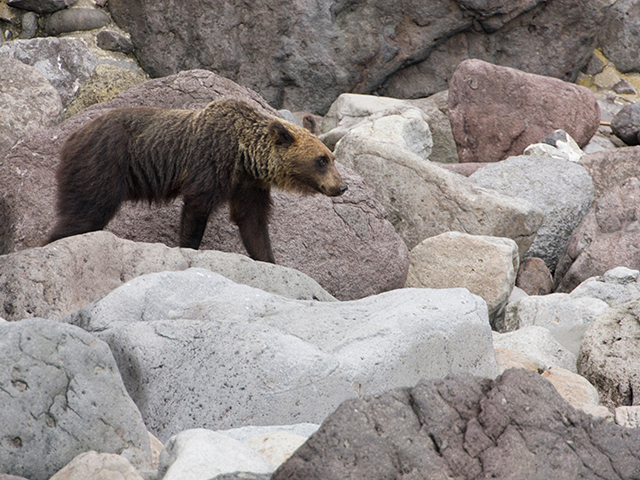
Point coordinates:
[(227, 152)]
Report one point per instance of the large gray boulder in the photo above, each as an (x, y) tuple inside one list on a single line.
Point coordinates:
[(562, 190), (344, 243), (27, 101), (424, 200), (197, 350), (62, 395), (357, 46), (516, 426), (62, 277)]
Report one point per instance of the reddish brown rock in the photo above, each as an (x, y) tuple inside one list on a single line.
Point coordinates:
[(496, 112), (345, 244), (534, 277), (608, 237), (611, 167)]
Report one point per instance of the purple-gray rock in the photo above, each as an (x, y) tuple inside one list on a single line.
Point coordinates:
[(108, 40), (74, 19), (516, 426), (626, 124), (41, 6)]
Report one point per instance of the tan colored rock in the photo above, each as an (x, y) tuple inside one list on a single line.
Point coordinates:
[(507, 358), (98, 466), (486, 266), (276, 446), (534, 277), (628, 416), (574, 389)]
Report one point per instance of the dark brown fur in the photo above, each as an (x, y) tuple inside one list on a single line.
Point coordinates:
[(226, 152)]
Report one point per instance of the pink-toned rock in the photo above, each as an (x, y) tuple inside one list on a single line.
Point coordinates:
[(611, 167), (607, 238), (344, 243), (574, 389), (534, 277), (496, 112)]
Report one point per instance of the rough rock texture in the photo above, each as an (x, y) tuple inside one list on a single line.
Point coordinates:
[(611, 167), (626, 124), (534, 277), (606, 238), (516, 426), (98, 466), (65, 62), (562, 190), (105, 82), (170, 330), (343, 243), (619, 38), (27, 101), (60, 386), (609, 355), (201, 454), (538, 346), (357, 46), (486, 266), (424, 200), (566, 317), (60, 278), (617, 286), (496, 112)]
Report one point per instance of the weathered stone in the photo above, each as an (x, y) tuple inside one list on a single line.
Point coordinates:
[(41, 6), (65, 62), (197, 324), (626, 124), (566, 317), (609, 355), (606, 238), (29, 25), (201, 454), (27, 101), (60, 278), (409, 188), (96, 466), (486, 266), (538, 345), (574, 388), (534, 277), (615, 287), (562, 190), (74, 19), (516, 426), (344, 243), (556, 145), (496, 112), (612, 167), (109, 40), (628, 416), (61, 395), (105, 83), (357, 47), (619, 40)]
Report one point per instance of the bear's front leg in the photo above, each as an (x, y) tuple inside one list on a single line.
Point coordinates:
[(250, 206)]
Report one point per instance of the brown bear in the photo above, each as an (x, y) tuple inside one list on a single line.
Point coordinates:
[(227, 152)]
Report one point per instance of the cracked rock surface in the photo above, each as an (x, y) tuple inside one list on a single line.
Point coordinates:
[(61, 394), (462, 427), (197, 350)]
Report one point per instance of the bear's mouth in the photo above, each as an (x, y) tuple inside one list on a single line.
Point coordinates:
[(334, 191)]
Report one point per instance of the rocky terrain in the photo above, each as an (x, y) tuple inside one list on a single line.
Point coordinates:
[(467, 309)]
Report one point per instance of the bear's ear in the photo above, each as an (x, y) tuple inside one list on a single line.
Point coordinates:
[(280, 134)]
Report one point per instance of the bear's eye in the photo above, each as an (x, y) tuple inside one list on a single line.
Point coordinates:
[(322, 162)]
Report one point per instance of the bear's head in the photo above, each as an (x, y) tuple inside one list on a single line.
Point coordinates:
[(305, 164)]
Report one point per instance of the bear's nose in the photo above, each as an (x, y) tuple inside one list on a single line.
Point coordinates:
[(343, 188)]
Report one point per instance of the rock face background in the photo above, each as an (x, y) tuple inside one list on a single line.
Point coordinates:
[(405, 49)]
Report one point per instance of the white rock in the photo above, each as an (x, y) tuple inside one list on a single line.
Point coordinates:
[(405, 127), (617, 286), (567, 318), (538, 345), (558, 145), (628, 416), (276, 446), (98, 466), (350, 108), (201, 454)]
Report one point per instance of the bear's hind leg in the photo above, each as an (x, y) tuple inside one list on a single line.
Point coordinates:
[(250, 208), (77, 216)]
